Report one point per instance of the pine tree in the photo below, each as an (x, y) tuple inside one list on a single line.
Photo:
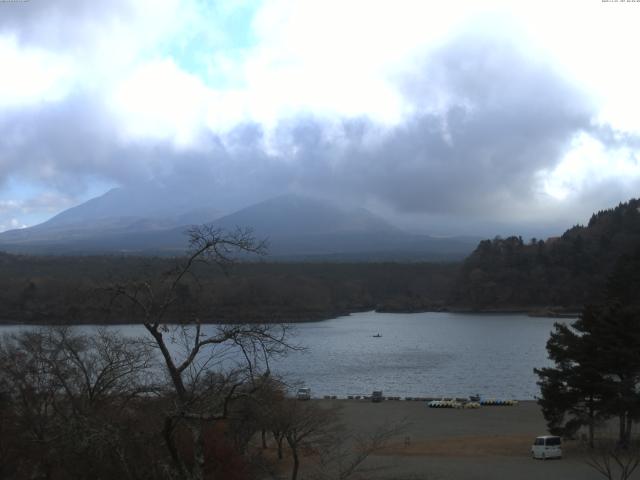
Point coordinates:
[(597, 362), (573, 392)]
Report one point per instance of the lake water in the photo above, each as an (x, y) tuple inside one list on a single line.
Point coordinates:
[(422, 354)]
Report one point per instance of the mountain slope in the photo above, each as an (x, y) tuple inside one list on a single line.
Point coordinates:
[(295, 227), (148, 201), (291, 215), (120, 211)]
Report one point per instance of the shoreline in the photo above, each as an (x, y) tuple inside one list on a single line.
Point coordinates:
[(534, 312), (412, 400)]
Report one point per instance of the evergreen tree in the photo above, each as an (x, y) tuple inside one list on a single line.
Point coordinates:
[(573, 391), (597, 362), (615, 330)]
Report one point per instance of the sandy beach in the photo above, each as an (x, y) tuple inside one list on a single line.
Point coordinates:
[(447, 444)]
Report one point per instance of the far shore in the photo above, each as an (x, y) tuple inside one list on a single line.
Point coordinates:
[(542, 312)]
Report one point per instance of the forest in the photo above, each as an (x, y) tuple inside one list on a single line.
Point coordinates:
[(76, 289), (559, 273)]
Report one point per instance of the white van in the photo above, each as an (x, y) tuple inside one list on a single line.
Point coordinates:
[(304, 394), (547, 446)]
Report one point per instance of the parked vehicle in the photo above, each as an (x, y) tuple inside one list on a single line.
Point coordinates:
[(376, 396), (304, 394), (547, 446)]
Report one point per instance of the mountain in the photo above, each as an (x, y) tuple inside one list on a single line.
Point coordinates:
[(567, 271), (295, 215), (150, 201), (295, 227), (117, 213), (148, 207)]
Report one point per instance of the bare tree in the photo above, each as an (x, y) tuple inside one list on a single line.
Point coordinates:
[(274, 415), (67, 395), (307, 427), (345, 456), (97, 368), (612, 461), (313, 430), (207, 368)]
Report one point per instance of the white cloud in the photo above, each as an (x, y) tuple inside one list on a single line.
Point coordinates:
[(12, 224), (588, 163), (31, 75), (595, 44), (32, 208), (159, 101), (331, 58), (8, 205)]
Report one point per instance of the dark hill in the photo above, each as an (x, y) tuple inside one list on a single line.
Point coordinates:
[(566, 271)]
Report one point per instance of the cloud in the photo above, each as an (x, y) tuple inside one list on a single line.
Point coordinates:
[(486, 120), (11, 224), (504, 119), (60, 144), (47, 200), (81, 28), (17, 213), (598, 172), (460, 121), (31, 75)]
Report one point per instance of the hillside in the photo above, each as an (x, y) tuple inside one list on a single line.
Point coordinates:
[(564, 272), (120, 212)]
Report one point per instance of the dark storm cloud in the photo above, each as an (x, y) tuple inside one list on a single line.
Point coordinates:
[(505, 118), (486, 120), (65, 146), (60, 144)]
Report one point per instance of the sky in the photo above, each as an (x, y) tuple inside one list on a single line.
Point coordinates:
[(445, 117)]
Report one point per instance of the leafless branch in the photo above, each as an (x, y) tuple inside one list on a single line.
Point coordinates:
[(613, 462)]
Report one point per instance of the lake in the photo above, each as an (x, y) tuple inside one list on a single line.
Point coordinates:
[(422, 354)]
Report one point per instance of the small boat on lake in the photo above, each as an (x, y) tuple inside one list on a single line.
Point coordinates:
[(377, 335)]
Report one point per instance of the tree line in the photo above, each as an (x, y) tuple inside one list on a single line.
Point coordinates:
[(50, 289), (565, 272)]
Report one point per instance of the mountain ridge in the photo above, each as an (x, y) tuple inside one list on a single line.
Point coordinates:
[(296, 226)]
